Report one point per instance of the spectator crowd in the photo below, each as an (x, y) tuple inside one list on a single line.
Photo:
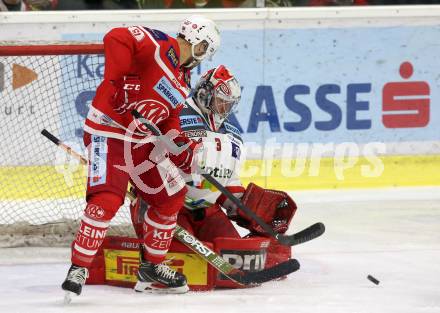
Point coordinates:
[(32, 5)]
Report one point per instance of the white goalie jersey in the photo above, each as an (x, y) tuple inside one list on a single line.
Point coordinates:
[(220, 156)]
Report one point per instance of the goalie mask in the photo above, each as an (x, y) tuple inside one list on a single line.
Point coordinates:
[(200, 30), (217, 92)]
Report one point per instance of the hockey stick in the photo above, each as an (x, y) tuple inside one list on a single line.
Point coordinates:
[(224, 267), (306, 234), (189, 240)]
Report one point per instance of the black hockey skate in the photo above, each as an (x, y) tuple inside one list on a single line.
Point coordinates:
[(159, 278), (76, 278)]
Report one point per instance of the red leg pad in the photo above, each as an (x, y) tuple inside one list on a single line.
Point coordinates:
[(247, 254), (215, 224), (277, 253)]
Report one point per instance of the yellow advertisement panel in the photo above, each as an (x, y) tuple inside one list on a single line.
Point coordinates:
[(122, 265)]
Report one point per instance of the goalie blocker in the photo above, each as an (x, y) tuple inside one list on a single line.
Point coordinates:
[(118, 259)]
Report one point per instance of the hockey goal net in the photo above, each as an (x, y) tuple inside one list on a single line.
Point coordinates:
[(45, 86)]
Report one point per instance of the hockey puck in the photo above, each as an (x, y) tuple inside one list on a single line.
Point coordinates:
[(373, 280)]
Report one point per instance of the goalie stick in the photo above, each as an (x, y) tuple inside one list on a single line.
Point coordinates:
[(305, 235), (189, 240), (224, 267)]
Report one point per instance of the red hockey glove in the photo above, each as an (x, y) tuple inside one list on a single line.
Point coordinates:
[(185, 158), (275, 207), (127, 90), (228, 205)]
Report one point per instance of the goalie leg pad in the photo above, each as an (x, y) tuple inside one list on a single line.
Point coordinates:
[(277, 253), (246, 254), (138, 208), (184, 219), (215, 224)]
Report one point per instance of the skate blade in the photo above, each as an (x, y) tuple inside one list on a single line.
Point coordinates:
[(68, 297), (149, 287)]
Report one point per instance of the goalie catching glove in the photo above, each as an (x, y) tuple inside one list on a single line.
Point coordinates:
[(276, 208)]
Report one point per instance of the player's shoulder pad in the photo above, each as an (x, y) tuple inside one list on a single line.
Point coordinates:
[(157, 34), (228, 128), (136, 32)]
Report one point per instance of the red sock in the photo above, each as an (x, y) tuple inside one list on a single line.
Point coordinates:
[(158, 233), (93, 226)]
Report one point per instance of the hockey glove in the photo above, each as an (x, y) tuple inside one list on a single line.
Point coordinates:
[(127, 90), (228, 205), (275, 207), (185, 159)]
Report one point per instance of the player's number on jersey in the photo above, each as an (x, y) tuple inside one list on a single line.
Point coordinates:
[(218, 144)]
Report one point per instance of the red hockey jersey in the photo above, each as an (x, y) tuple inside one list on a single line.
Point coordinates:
[(153, 56)]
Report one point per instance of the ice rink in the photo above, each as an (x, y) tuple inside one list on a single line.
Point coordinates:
[(392, 234)]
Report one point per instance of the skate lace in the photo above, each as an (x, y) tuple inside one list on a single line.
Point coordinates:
[(78, 275), (165, 271)]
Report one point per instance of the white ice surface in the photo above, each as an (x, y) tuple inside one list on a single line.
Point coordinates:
[(393, 234)]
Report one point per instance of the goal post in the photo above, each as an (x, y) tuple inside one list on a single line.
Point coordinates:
[(42, 193)]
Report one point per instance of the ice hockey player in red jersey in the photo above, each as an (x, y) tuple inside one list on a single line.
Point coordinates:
[(146, 70), (205, 118)]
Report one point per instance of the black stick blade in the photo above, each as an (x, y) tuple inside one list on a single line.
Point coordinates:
[(275, 272), (305, 235)]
